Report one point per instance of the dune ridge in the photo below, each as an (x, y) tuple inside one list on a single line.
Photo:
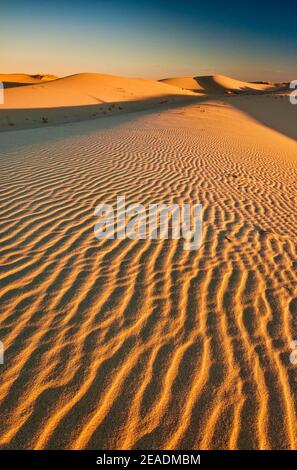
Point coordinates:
[(89, 96), (11, 80), (139, 343), (82, 96), (86, 89), (218, 84)]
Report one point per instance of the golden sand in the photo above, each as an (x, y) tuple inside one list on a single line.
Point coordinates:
[(138, 343)]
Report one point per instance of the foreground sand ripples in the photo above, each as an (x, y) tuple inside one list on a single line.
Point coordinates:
[(141, 344)]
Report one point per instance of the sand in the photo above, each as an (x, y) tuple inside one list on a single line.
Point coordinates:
[(82, 96), (139, 343), (12, 80), (218, 84)]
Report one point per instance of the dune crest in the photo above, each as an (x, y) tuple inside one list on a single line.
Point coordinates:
[(86, 89), (12, 80), (47, 100), (82, 96), (217, 84)]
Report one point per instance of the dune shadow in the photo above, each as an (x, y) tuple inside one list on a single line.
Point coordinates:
[(209, 85), (269, 107), (16, 84), (28, 118), (276, 112)]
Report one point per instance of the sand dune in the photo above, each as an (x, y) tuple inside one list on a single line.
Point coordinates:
[(217, 84), (139, 343), (81, 96), (89, 96), (11, 80), (84, 89)]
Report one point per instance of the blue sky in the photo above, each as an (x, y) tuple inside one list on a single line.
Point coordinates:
[(155, 39)]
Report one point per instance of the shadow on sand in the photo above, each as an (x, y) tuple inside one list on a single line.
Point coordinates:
[(270, 108)]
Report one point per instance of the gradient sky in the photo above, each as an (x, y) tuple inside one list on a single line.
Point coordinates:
[(251, 40)]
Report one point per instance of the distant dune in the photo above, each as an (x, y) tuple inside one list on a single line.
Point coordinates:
[(11, 80), (216, 84), (81, 96), (50, 101), (86, 89)]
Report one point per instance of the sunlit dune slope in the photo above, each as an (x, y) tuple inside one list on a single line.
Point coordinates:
[(86, 89), (216, 84), (82, 96)]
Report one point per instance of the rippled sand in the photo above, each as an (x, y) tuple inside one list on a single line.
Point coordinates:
[(141, 344)]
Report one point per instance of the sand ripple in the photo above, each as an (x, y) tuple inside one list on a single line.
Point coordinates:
[(141, 344)]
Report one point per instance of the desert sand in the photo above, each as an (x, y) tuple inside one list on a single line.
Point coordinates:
[(12, 80), (139, 343), (82, 96), (217, 84)]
